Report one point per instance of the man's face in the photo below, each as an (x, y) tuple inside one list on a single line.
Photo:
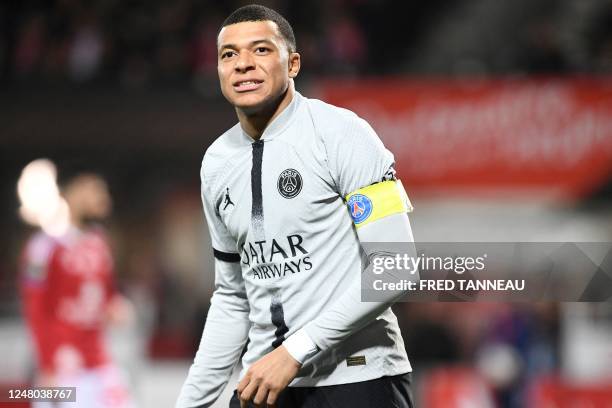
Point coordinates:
[(88, 196), (254, 64)]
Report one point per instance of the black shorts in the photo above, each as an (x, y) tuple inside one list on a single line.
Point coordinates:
[(384, 392)]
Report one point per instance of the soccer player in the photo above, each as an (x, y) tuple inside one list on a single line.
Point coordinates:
[(275, 190), (69, 295)]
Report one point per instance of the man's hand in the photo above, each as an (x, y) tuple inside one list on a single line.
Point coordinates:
[(265, 379)]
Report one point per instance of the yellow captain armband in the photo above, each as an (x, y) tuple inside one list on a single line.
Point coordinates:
[(377, 201)]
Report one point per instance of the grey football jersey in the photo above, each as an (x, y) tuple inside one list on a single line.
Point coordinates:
[(276, 206)]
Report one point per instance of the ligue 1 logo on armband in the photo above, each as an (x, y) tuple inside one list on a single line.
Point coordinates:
[(289, 183), (360, 207)]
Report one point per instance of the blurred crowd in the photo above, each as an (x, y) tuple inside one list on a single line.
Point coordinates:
[(135, 43)]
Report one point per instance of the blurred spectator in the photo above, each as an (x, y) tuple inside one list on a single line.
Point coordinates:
[(30, 45), (86, 50), (346, 43), (69, 294)]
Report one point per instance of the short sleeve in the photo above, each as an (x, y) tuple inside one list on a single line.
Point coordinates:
[(358, 157)]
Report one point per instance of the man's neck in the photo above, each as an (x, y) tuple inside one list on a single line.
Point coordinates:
[(77, 223), (254, 124)]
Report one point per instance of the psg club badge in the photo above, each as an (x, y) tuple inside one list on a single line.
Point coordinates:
[(289, 183), (360, 207)]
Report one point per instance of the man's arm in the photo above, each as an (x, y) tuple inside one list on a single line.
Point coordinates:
[(224, 336), (348, 314), (37, 276), (227, 324), (361, 166)]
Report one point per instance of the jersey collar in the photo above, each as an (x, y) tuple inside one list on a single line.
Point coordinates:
[(278, 125)]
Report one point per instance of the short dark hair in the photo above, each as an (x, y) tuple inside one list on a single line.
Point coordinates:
[(256, 12), (70, 169)]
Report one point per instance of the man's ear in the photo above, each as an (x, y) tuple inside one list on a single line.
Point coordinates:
[(294, 64)]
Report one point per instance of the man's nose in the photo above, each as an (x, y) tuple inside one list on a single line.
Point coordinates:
[(244, 62)]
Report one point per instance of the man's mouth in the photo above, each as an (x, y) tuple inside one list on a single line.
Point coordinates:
[(247, 85)]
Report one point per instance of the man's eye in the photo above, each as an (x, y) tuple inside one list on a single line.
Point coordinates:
[(262, 50), (227, 54)]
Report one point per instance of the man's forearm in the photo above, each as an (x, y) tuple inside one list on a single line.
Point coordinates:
[(222, 342), (224, 336), (348, 314)]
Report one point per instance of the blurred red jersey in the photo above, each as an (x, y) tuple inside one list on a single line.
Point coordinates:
[(66, 285)]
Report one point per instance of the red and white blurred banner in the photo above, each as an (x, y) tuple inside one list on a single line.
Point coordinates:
[(541, 136)]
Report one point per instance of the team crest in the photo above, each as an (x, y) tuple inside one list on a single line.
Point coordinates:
[(289, 183), (360, 208)]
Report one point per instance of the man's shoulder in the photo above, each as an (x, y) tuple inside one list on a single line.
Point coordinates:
[(39, 247), (36, 256), (334, 123), (224, 147), (225, 144), (324, 113)]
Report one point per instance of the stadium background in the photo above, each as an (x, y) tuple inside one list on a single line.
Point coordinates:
[(499, 114)]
